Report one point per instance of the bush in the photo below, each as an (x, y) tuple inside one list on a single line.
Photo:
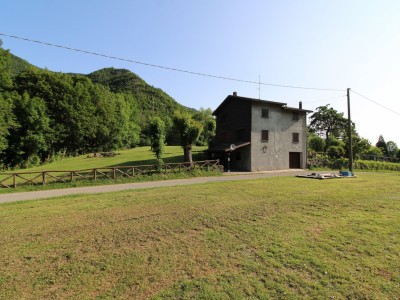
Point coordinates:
[(316, 143), (343, 163), (376, 165), (335, 151)]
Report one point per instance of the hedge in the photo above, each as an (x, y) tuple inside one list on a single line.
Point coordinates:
[(343, 164)]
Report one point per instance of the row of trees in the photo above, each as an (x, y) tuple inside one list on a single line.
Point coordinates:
[(45, 114), (328, 133)]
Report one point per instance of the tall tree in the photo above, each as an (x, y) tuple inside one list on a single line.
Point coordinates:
[(327, 121), (5, 63), (157, 138), (189, 131), (7, 121), (7, 118), (382, 145), (29, 141), (392, 148), (206, 119)]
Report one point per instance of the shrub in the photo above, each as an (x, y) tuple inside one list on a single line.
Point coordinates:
[(335, 151), (376, 165), (343, 163)]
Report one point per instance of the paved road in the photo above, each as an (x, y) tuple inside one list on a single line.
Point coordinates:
[(143, 185)]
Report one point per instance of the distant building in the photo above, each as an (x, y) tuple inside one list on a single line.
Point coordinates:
[(259, 135)]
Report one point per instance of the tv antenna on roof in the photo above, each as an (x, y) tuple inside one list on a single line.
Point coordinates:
[(259, 87)]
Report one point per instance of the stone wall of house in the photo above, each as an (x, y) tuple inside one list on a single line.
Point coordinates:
[(273, 154)]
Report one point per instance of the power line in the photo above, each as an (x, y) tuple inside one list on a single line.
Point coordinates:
[(377, 103), (169, 68)]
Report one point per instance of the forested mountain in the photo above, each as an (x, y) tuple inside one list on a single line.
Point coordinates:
[(19, 65), (46, 114), (151, 101)]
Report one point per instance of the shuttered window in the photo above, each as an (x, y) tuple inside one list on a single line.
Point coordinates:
[(264, 135), (295, 137), (264, 113)]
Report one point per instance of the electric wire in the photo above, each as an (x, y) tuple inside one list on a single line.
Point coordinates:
[(375, 102), (170, 68)]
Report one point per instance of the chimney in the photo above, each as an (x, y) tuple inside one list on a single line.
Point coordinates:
[(235, 94), (300, 105)]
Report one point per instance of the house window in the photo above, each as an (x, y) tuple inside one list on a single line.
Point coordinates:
[(264, 135), (295, 137), (264, 113), (295, 116)]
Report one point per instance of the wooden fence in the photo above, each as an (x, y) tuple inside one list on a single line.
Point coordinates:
[(12, 180)]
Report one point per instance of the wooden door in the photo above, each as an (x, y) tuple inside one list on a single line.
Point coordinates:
[(294, 160)]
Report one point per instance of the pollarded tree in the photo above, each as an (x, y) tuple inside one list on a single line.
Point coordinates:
[(157, 138), (189, 131)]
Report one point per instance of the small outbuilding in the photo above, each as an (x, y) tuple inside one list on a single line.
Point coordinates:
[(260, 135)]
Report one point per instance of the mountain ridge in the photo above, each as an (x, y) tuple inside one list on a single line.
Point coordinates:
[(119, 80)]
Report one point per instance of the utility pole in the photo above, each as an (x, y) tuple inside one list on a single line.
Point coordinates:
[(349, 133)]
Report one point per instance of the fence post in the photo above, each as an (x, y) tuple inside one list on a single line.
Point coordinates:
[(72, 176), (114, 174), (95, 174), (15, 180), (44, 178)]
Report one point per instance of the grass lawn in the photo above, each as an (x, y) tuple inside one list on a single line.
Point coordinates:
[(132, 157), (273, 238)]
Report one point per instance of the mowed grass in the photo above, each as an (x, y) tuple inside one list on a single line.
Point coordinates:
[(273, 238), (132, 157)]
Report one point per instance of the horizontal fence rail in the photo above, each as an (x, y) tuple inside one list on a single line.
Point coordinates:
[(12, 180)]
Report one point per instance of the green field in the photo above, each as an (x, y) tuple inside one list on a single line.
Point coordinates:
[(133, 157), (274, 238)]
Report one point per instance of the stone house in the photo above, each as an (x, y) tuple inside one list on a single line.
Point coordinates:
[(259, 135)]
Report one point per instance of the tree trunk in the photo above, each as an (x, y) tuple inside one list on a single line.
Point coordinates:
[(188, 154)]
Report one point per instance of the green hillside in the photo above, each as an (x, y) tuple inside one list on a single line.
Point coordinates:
[(18, 65), (46, 114), (150, 100)]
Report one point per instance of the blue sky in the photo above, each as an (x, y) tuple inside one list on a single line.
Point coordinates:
[(322, 44)]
